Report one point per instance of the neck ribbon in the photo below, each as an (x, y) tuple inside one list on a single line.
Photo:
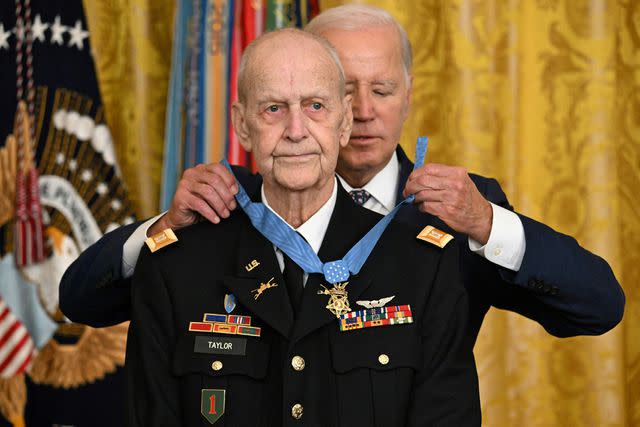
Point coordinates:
[(278, 232)]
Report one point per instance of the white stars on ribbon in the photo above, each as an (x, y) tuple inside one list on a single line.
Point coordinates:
[(4, 37), (57, 30), (78, 35), (336, 271)]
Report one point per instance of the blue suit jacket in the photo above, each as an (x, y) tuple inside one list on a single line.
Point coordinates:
[(562, 286)]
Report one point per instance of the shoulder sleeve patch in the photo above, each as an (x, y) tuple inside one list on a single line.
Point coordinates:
[(434, 236), (160, 240)]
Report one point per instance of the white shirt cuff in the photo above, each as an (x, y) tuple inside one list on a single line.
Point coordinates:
[(506, 244), (131, 248)]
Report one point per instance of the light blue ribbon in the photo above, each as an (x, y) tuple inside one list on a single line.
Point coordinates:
[(291, 243)]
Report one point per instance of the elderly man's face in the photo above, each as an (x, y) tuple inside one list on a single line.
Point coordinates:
[(376, 79), (294, 118)]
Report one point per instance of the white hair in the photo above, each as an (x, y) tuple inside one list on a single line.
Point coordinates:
[(353, 17)]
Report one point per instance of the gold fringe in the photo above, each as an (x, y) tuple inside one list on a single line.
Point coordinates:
[(97, 353), (13, 399)]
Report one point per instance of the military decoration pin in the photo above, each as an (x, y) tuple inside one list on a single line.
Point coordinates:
[(160, 240), (338, 303), (263, 287), (253, 264), (229, 302), (212, 404)]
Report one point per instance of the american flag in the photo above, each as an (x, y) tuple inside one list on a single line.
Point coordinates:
[(16, 346)]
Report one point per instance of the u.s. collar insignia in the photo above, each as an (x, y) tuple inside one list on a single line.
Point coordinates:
[(160, 240), (253, 264), (375, 303), (434, 236), (338, 298)]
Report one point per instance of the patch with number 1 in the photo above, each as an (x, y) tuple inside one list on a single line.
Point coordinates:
[(212, 404)]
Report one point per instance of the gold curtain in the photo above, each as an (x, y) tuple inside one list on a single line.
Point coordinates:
[(131, 42), (543, 95)]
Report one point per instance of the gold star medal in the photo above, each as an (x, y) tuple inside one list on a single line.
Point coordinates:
[(338, 298)]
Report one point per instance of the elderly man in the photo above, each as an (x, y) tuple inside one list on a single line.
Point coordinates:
[(508, 261), (277, 358)]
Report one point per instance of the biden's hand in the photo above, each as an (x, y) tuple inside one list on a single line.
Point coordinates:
[(448, 193), (204, 191)]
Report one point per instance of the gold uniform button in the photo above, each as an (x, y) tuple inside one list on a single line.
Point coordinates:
[(217, 365), (298, 363), (296, 411), (383, 359)]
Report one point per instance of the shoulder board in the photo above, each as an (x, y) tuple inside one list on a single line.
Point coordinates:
[(160, 240), (434, 236)]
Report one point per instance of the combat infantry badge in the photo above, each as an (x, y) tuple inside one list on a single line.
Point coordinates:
[(338, 298)]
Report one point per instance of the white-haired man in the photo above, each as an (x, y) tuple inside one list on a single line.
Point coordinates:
[(281, 357), (509, 261)]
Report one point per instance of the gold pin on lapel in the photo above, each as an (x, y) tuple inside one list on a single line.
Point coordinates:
[(434, 236), (160, 240), (338, 298), (253, 264), (263, 287)]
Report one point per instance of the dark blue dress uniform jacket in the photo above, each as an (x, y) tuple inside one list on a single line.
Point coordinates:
[(567, 289), (430, 377)]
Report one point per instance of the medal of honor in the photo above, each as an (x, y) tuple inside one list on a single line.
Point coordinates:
[(337, 272), (338, 302)]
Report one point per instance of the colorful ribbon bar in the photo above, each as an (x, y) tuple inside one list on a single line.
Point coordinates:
[(218, 318)]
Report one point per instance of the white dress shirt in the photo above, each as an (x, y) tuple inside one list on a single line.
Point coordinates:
[(506, 245), (313, 229)]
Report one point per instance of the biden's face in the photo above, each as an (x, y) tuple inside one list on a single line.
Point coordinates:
[(293, 118), (381, 92)]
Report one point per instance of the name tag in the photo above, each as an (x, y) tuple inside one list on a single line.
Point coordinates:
[(220, 345)]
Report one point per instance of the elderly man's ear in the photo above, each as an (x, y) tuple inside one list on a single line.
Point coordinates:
[(240, 125), (347, 121)]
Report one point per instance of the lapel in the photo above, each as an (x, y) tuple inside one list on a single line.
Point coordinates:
[(273, 305), (347, 225)]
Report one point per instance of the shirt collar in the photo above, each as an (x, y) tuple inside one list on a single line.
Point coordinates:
[(313, 229), (383, 185)]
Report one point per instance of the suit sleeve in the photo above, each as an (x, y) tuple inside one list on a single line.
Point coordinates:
[(446, 388), (153, 392), (567, 289), (92, 289)]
